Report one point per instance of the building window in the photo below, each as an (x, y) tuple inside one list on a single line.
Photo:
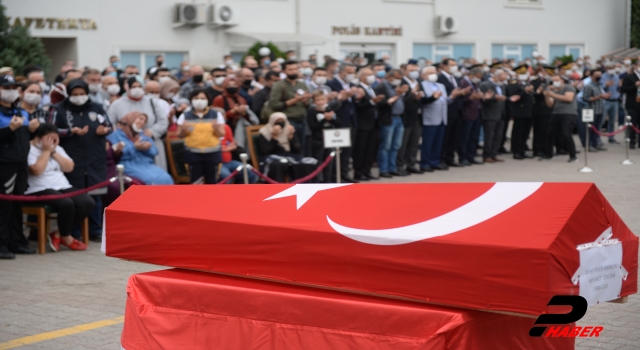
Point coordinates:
[(512, 51), (556, 51), (437, 52), (146, 60)]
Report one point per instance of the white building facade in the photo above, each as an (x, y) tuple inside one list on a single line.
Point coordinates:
[(89, 31)]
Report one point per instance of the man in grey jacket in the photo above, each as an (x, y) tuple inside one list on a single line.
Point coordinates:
[(493, 104)]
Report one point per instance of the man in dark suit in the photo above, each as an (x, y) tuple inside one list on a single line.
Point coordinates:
[(520, 108), (493, 113), (630, 84), (368, 103), (451, 83), (346, 114), (408, 153)]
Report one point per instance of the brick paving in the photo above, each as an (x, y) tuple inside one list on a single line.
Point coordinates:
[(42, 293)]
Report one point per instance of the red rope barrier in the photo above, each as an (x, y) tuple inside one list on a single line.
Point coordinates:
[(13, 197), (315, 172), (226, 179), (635, 129), (264, 177), (606, 133)]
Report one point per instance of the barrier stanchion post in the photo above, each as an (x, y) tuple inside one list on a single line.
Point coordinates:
[(244, 157), (120, 171), (627, 140), (587, 118), (338, 180)]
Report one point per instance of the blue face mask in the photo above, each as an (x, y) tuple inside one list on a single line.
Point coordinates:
[(267, 62), (381, 74), (116, 64), (113, 74)]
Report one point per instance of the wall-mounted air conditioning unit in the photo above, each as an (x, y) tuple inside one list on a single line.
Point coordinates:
[(223, 15), (189, 15), (446, 25)]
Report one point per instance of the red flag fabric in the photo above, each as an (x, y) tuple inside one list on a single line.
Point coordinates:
[(178, 309), (492, 246)]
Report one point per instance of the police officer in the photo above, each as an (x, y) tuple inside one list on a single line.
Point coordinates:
[(520, 106)]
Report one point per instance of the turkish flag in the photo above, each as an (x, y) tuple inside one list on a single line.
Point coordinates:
[(494, 246)]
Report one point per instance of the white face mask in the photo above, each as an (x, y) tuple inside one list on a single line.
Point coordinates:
[(453, 69), (413, 75), (370, 79), (557, 84), (433, 77), (44, 86), (523, 77), (9, 95), (320, 80), (395, 82), (457, 74), (307, 71), (135, 128), (229, 62), (611, 71), (93, 88), (219, 80), (154, 95), (199, 104), (113, 89), (32, 99), (475, 80), (168, 95), (349, 77), (627, 62), (186, 68), (486, 69), (79, 100), (163, 79), (136, 92)]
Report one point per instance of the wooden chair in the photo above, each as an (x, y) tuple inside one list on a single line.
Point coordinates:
[(175, 159), (43, 214), (253, 132)]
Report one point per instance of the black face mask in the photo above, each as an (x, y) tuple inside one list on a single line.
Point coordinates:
[(247, 82), (281, 124), (597, 79), (232, 90), (197, 78), (159, 63), (292, 76)]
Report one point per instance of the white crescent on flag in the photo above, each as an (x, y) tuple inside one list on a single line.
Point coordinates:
[(500, 197)]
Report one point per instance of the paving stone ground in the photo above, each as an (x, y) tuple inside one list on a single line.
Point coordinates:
[(42, 293)]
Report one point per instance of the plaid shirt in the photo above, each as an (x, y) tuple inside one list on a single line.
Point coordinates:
[(592, 90)]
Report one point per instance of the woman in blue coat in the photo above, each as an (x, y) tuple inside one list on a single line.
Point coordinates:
[(139, 150)]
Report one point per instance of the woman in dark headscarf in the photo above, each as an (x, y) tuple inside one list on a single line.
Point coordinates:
[(233, 104)]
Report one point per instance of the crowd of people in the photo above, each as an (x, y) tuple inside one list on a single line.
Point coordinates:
[(420, 117)]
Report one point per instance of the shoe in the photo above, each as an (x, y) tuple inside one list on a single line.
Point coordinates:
[(75, 245), (361, 178), (572, 160), (498, 160), (426, 170), (526, 156), (538, 154), (54, 241), (22, 250), (518, 157), (371, 177), (592, 149), (6, 254), (386, 174), (562, 153), (545, 158), (465, 163), (503, 150), (454, 164), (473, 161), (489, 160), (414, 170), (614, 142), (601, 148), (348, 180), (400, 172), (577, 151), (95, 238), (440, 167)]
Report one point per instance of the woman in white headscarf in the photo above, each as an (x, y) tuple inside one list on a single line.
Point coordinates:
[(278, 150)]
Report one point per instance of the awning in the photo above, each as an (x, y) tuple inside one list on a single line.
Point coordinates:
[(303, 39)]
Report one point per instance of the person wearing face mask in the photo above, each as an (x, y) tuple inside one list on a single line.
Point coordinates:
[(197, 81), (218, 75), (391, 122), (451, 82), (260, 101), (629, 88), (15, 131), (30, 97), (561, 97), (83, 126), (470, 111), (306, 71), (110, 89), (157, 113), (434, 119), (346, 114), (594, 96), (541, 112), (92, 78), (408, 153), (368, 102), (139, 150), (333, 68), (520, 107), (202, 128), (35, 74), (610, 84), (380, 73), (114, 62), (493, 114), (234, 105), (320, 117), (248, 87)]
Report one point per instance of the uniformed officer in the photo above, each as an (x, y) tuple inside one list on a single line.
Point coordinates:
[(520, 106)]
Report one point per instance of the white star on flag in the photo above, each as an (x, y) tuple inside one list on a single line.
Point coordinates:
[(304, 192)]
